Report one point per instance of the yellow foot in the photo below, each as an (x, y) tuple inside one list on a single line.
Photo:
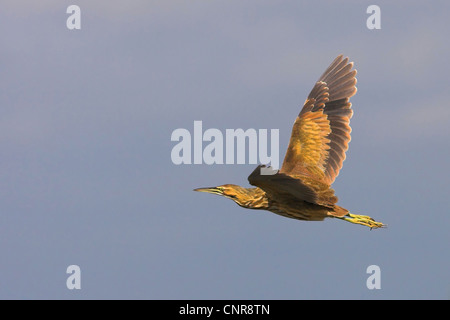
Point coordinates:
[(364, 220)]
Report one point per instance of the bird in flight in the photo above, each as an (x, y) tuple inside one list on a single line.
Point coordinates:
[(301, 189)]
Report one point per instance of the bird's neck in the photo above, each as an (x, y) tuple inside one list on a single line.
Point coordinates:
[(256, 199)]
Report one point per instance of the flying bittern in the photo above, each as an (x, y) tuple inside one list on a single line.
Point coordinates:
[(301, 189)]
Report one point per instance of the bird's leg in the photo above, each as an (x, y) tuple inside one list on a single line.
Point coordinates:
[(364, 220)]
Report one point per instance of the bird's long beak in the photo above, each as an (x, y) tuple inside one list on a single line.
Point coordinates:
[(214, 190)]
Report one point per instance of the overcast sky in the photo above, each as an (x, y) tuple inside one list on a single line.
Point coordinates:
[(86, 177)]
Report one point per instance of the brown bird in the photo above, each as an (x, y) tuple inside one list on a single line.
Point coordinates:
[(301, 189)]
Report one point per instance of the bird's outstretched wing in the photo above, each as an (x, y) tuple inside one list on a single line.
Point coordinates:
[(321, 131)]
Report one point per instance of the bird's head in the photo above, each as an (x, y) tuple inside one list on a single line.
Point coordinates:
[(236, 193)]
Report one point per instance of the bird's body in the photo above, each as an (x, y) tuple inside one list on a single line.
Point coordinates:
[(287, 206), (301, 189)]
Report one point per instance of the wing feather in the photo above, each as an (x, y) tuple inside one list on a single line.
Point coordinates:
[(321, 132)]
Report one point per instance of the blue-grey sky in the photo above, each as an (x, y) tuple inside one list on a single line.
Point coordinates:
[(86, 176)]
